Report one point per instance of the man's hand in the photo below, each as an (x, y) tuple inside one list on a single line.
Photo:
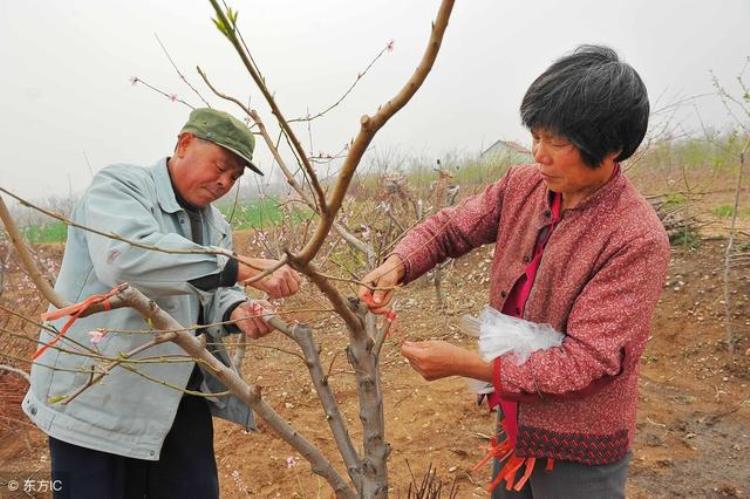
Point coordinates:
[(282, 282), (439, 359), (385, 278), (249, 318)]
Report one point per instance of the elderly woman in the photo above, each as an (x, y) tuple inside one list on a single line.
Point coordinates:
[(576, 247)]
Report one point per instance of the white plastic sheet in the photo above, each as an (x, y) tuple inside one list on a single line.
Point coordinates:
[(500, 334)]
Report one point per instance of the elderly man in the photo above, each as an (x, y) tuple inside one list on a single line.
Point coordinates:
[(129, 436)]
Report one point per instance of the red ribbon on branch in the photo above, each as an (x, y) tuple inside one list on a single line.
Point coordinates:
[(390, 315), (74, 311)]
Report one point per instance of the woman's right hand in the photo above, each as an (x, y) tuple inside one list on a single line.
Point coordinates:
[(384, 279)]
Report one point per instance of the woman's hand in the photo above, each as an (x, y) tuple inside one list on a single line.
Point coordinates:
[(385, 279), (439, 359), (282, 282)]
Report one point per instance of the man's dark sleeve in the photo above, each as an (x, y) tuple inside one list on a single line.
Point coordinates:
[(231, 328), (227, 277)]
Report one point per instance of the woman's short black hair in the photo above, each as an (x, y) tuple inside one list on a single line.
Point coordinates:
[(594, 100)]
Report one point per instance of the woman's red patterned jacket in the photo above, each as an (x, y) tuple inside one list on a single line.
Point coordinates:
[(598, 282)]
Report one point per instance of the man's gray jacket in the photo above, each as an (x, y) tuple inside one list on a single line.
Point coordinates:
[(126, 413)]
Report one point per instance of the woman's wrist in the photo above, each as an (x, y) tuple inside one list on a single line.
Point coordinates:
[(396, 265), (473, 366)]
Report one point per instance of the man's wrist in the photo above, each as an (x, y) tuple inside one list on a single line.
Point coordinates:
[(246, 271), (231, 328)]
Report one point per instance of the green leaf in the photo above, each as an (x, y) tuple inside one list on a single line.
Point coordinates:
[(221, 27), (54, 399), (232, 15)]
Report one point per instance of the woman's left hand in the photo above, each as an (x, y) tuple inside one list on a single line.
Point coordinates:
[(438, 359)]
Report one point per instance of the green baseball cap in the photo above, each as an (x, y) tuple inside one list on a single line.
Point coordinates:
[(224, 130)]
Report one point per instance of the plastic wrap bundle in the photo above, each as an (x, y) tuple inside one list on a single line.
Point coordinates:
[(500, 334)]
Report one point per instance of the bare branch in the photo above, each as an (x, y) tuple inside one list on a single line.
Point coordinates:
[(220, 94), (112, 235), (726, 99), (350, 238), (236, 201), (333, 295), (231, 34), (362, 358), (388, 47), (266, 272), (15, 370), (303, 336), (730, 249), (250, 394), (161, 338), (172, 97), (370, 126), (26, 258), (179, 73), (240, 347), (383, 333), (255, 117)]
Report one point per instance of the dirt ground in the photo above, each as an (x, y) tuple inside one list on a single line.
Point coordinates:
[(693, 437)]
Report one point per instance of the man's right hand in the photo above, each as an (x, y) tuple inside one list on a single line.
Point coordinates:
[(282, 282), (384, 279), (250, 318)]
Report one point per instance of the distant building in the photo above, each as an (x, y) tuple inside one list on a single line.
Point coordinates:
[(508, 150)]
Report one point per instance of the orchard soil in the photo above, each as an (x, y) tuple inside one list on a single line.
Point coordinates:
[(693, 430)]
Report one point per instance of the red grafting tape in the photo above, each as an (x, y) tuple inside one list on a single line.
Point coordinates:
[(74, 311)]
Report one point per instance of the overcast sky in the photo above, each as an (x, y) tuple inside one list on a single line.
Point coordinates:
[(65, 68)]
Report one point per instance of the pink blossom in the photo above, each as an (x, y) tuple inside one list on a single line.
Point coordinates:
[(173, 97), (291, 462), (96, 336), (389, 45), (134, 80)]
